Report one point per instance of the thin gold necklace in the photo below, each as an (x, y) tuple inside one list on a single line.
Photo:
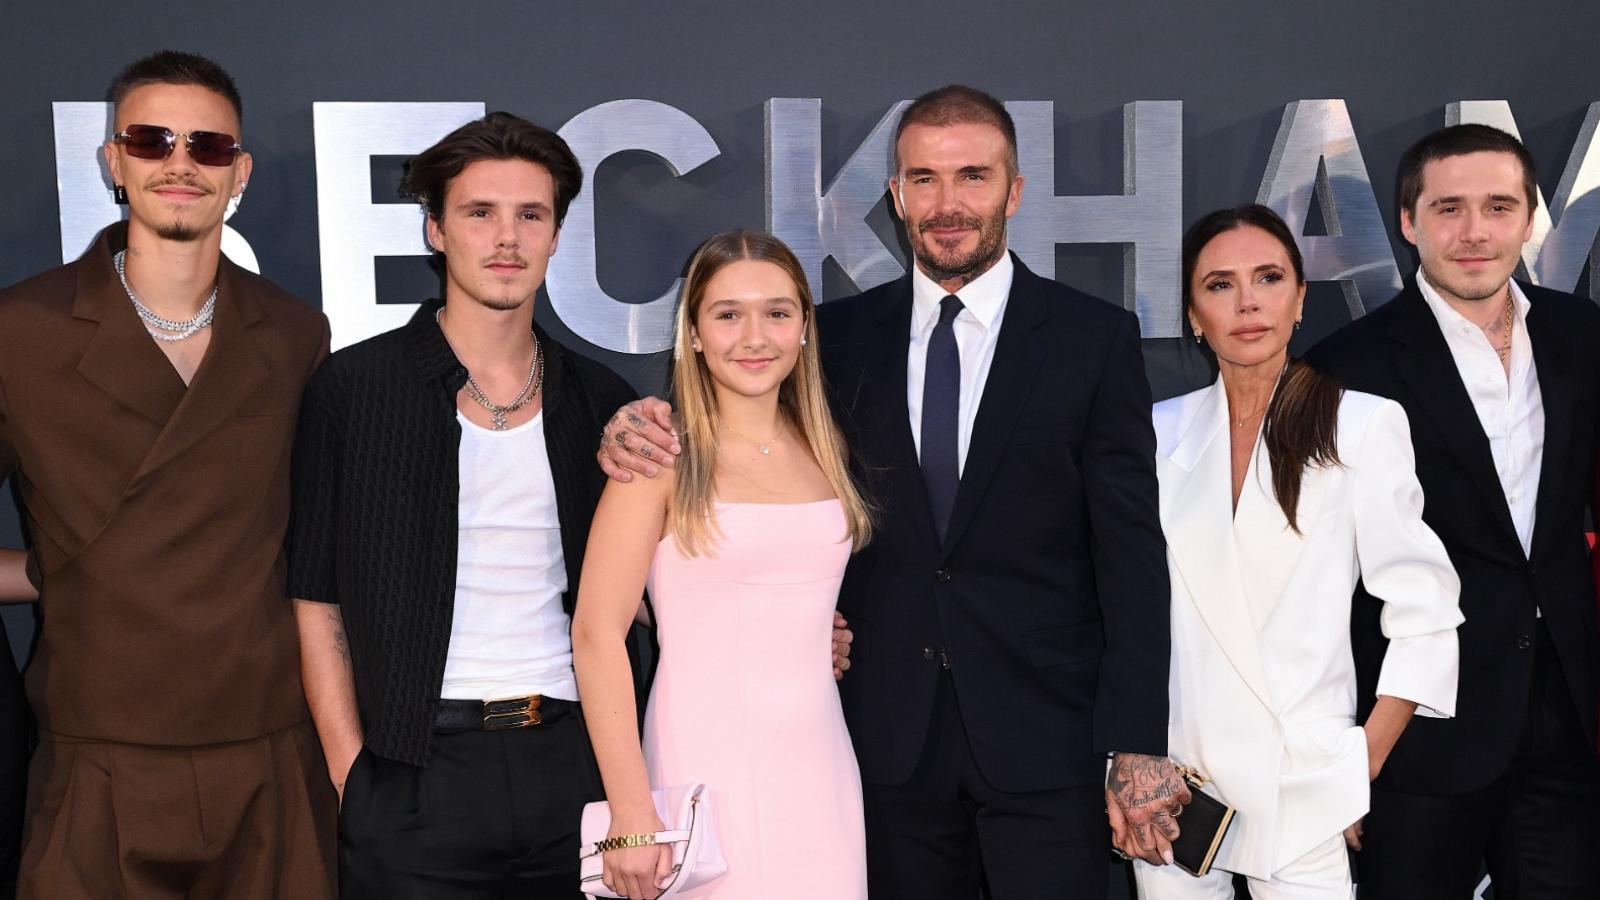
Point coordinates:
[(764, 446), (1504, 352)]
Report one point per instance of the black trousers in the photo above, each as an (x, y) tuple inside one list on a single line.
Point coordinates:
[(947, 832), (1537, 826), (494, 814)]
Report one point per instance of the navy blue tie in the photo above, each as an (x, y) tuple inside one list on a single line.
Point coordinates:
[(941, 415)]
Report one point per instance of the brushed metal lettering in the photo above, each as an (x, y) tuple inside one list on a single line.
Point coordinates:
[(683, 145), (1146, 218), (818, 223), (1316, 150)]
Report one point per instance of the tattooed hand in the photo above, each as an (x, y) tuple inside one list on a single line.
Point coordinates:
[(1144, 798), (637, 439)]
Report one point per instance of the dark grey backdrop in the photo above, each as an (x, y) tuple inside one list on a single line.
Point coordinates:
[(1234, 65)]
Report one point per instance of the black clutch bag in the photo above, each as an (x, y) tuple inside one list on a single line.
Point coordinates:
[(1205, 820)]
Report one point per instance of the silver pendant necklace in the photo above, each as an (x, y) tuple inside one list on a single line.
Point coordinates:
[(498, 414), (171, 330)]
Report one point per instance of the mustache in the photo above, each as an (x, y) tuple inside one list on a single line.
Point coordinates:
[(189, 182), (513, 260), (949, 221)]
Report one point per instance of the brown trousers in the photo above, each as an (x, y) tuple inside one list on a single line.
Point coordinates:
[(252, 820)]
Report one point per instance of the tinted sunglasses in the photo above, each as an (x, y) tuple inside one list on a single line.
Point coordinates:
[(208, 148)]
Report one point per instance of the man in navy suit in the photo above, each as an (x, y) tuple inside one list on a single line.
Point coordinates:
[(1501, 383), (1011, 615)]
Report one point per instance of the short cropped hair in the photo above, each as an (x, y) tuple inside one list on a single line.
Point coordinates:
[(1460, 140), (497, 136), (177, 67), (958, 104)]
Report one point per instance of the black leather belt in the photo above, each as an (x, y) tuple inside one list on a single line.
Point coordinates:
[(500, 715)]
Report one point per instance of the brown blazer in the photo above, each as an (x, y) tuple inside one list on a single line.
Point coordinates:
[(156, 511)]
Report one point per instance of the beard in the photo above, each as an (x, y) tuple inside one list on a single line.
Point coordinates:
[(951, 264), (1464, 290), (500, 304), (178, 231)]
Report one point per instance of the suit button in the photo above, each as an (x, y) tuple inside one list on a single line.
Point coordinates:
[(927, 653), (1524, 642), (943, 576)]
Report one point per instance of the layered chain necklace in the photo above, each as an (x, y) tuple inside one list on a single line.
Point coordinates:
[(498, 414), (160, 328)]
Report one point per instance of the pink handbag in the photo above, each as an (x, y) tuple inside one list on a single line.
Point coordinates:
[(696, 856)]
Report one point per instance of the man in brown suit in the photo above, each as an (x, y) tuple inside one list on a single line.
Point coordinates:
[(148, 395)]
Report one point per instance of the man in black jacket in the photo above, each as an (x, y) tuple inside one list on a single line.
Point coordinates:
[(1011, 612), (1501, 382), (443, 491)]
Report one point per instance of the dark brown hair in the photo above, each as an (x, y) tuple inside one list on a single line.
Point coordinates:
[(1300, 428), (957, 104), (1459, 140), (499, 135), (175, 67)]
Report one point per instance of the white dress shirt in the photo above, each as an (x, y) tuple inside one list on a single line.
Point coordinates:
[(509, 634), (1511, 410), (976, 328)]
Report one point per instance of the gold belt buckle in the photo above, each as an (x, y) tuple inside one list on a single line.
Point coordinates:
[(511, 712)]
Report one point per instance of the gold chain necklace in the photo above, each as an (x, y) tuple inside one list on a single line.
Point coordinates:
[(1504, 351)]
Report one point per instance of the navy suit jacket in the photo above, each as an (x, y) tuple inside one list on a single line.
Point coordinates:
[(1397, 351), (1049, 597)]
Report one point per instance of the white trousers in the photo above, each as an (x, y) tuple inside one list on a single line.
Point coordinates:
[(1321, 874)]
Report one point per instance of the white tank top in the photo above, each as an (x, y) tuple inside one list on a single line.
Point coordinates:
[(509, 635)]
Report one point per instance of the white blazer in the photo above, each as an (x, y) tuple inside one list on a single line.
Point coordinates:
[(1263, 683)]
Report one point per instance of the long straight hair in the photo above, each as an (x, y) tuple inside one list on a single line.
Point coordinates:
[(1300, 427), (801, 399)]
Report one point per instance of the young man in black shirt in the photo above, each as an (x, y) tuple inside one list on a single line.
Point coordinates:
[(443, 488)]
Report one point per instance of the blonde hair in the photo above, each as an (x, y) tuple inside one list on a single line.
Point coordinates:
[(802, 400)]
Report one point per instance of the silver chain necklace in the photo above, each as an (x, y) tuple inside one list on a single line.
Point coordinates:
[(180, 331), (530, 388)]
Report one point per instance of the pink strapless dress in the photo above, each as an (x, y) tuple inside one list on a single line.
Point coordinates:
[(744, 700)]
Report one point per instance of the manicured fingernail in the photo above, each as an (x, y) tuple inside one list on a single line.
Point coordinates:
[(651, 471), (675, 447), (1167, 856)]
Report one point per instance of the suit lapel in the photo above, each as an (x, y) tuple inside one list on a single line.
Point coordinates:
[(120, 359), (1196, 513), (1553, 367), (1269, 550), (231, 371), (1017, 357), (1425, 364), (884, 377)]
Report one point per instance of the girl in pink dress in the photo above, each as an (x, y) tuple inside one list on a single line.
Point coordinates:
[(742, 548)]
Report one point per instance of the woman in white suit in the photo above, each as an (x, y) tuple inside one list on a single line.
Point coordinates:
[(1279, 490)]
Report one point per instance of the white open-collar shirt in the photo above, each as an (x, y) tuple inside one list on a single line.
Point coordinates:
[(976, 328), (1510, 409)]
